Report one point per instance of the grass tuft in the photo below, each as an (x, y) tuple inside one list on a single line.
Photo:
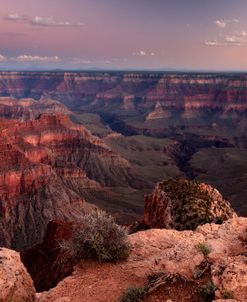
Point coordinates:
[(203, 248)]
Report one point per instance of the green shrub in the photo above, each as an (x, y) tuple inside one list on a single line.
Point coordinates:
[(132, 294), (228, 295), (203, 248), (207, 291), (98, 237)]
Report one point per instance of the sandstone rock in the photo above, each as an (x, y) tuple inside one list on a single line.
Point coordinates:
[(191, 93), (15, 283), (183, 204), (29, 108), (158, 113), (161, 250), (230, 275), (45, 262), (49, 167), (192, 97), (225, 300)]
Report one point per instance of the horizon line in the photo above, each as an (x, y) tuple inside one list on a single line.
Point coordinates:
[(99, 70)]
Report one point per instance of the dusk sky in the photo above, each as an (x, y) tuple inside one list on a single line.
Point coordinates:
[(124, 34)]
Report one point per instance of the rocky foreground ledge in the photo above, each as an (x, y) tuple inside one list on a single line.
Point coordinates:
[(212, 254), (169, 251), (15, 283), (153, 251)]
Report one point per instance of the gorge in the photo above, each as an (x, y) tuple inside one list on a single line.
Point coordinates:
[(83, 139)]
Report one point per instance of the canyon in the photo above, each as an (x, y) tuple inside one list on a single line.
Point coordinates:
[(71, 141), (140, 145), (52, 168), (150, 95)]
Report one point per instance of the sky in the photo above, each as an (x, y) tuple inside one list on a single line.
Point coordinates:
[(123, 34)]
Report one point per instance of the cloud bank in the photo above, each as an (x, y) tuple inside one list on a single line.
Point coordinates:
[(39, 21), (29, 58), (224, 23), (143, 53), (228, 40), (238, 38), (2, 58), (42, 21), (16, 17)]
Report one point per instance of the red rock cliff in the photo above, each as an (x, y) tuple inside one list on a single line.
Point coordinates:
[(184, 205), (157, 94), (47, 167)]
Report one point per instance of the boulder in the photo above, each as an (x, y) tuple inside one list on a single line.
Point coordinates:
[(184, 205), (15, 283)]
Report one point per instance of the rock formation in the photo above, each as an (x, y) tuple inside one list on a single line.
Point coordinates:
[(24, 109), (196, 110), (164, 251), (156, 252), (45, 262), (184, 205), (15, 283), (48, 167), (158, 94)]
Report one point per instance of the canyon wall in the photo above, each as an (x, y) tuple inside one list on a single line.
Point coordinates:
[(152, 94), (48, 167)]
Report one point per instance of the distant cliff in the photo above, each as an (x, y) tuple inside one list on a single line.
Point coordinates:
[(28, 108), (152, 94)]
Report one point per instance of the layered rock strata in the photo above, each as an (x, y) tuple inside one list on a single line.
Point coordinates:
[(48, 166)]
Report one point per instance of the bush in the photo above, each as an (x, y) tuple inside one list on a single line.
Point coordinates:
[(98, 237), (207, 292), (132, 294), (205, 249)]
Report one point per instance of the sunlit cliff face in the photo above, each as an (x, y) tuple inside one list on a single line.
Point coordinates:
[(124, 34)]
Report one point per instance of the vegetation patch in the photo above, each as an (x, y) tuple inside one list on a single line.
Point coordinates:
[(98, 237), (193, 204), (207, 292), (132, 294), (227, 295), (203, 248)]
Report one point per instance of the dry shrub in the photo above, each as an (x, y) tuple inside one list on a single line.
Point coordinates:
[(98, 237)]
